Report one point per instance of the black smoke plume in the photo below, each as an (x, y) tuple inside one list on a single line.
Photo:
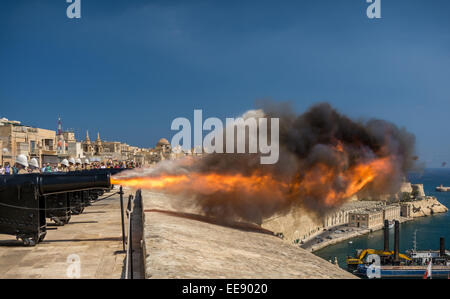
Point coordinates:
[(319, 139)]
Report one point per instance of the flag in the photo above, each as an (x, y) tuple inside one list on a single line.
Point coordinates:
[(428, 272)]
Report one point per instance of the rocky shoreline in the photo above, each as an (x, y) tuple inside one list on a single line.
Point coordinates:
[(427, 207)]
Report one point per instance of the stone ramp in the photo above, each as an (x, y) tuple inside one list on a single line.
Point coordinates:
[(181, 244), (95, 236)]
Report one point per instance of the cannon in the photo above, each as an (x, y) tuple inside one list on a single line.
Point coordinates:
[(26, 200), (60, 207), (75, 201)]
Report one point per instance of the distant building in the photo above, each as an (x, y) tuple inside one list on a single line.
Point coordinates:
[(406, 210), (75, 150), (406, 187), (417, 190), (88, 148), (366, 218), (92, 148), (391, 212), (102, 150), (163, 146), (52, 146), (32, 142)]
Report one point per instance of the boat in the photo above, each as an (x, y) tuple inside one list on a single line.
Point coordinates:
[(385, 263), (391, 224), (442, 189)]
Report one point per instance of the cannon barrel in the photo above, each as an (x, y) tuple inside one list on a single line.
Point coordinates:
[(52, 183), (73, 181)]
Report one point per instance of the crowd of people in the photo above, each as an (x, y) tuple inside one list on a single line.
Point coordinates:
[(22, 166)]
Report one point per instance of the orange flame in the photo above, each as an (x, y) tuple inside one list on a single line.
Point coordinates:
[(331, 185)]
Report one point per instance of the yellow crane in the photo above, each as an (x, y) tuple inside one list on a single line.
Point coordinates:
[(360, 259)]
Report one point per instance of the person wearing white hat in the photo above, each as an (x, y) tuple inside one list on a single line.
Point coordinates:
[(21, 165), (64, 165), (78, 166), (34, 166), (72, 164), (87, 165)]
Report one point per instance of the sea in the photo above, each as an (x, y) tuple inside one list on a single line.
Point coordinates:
[(427, 230)]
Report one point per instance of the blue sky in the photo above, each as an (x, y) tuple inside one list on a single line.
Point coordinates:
[(128, 68)]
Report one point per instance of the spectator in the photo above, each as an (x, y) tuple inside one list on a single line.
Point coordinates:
[(34, 166), (64, 165), (8, 169), (86, 165), (78, 166), (71, 164), (21, 165)]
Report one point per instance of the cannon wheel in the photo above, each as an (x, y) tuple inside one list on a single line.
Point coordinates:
[(66, 219), (77, 210), (42, 237), (59, 221), (29, 241)]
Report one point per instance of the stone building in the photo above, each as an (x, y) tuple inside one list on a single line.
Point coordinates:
[(32, 142), (417, 190), (406, 187), (88, 148), (101, 150), (341, 216), (406, 210), (162, 151), (98, 146), (92, 148), (368, 218), (163, 146), (68, 146), (391, 212)]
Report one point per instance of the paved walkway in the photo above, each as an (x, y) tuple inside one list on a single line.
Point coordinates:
[(95, 237)]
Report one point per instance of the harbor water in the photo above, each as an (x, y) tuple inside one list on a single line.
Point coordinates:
[(427, 229)]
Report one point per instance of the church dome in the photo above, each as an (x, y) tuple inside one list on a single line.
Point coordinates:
[(163, 141)]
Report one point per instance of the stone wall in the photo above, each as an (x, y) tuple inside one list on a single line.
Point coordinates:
[(298, 224), (182, 244)]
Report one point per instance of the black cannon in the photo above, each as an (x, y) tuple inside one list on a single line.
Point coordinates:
[(26, 200), (60, 207), (75, 202)]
